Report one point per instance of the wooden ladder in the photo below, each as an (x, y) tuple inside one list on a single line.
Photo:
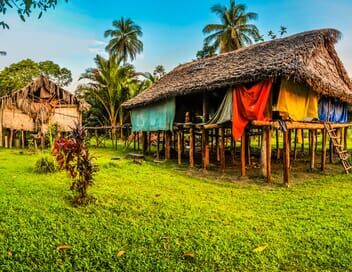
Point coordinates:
[(336, 141)]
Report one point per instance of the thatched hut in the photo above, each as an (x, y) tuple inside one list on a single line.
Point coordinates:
[(291, 83), (37, 107)]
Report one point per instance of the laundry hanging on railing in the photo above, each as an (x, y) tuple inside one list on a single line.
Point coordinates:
[(332, 110), (249, 104), (224, 112), (154, 118), (298, 101)]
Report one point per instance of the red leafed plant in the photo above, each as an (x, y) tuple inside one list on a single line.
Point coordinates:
[(72, 155)]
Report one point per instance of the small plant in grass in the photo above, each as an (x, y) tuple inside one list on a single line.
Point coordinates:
[(72, 155), (44, 165)]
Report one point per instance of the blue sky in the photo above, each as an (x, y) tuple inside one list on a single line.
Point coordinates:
[(72, 34)]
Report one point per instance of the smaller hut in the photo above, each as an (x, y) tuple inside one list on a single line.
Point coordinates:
[(35, 109)]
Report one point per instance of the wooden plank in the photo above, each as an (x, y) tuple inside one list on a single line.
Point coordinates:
[(299, 125)]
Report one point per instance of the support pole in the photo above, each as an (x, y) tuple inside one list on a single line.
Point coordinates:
[(286, 160), (222, 149), (179, 147), (345, 140), (323, 150), (145, 142), (168, 137), (158, 146), (313, 150), (205, 148), (243, 155), (266, 154), (191, 147)]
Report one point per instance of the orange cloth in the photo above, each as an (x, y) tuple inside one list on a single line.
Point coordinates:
[(248, 105)]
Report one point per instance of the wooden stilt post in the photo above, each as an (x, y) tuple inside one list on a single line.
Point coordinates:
[(205, 148), (345, 140), (302, 146), (145, 142), (134, 140), (277, 145), (149, 142), (191, 147), (286, 160), (179, 147), (222, 149), (266, 154), (217, 144), (11, 138), (295, 145), (168, 138), (323, 150), (22, 139), (158, 146), (313, 150), (331, 151), (243, 155), (248, 148)]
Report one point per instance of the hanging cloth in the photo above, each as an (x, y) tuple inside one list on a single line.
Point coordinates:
[(224, 112), (154, 118), (298, 101), (332, 110), (248, 105)]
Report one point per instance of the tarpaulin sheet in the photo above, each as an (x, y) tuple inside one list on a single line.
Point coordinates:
[(298, 101), (224, 112), (332, 110), (249, 104), (153, 118)]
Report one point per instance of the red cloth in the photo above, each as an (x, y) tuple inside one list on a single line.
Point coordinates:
[(248, 105)]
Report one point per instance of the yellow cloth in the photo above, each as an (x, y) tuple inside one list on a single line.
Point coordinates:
[(297, 100)]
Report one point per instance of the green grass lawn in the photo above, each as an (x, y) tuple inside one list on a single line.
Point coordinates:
[(157, 214)]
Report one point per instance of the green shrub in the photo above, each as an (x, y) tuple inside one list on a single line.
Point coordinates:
[(44, 165)]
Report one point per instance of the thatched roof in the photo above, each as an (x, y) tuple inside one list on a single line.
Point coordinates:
[(308, 57), (31, 100)]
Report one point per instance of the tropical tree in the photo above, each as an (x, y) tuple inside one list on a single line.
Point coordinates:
[(125, 39), (234, 31), (18, 75), (206, 52), (24, 8), (109, 84)]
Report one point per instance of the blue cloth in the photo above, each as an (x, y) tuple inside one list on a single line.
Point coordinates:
[(155, 117), (332, 110)]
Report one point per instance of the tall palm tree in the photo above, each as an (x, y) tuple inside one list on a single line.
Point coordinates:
[(125, 39), (109, 85), (234, 31)]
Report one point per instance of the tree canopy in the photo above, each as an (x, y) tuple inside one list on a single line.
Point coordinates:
[(125, 39), (18, 75), (24, 8), (234, 30)]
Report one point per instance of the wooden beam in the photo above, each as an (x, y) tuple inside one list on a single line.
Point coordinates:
[(168, 139), (313, 149), (323, 150), (205, 148), (158, 146), (268, 154), (345, 141), (286, 160), (300, 125), (243, 155), (191, 147), (179, 147), (145, 142), (222, 149)]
